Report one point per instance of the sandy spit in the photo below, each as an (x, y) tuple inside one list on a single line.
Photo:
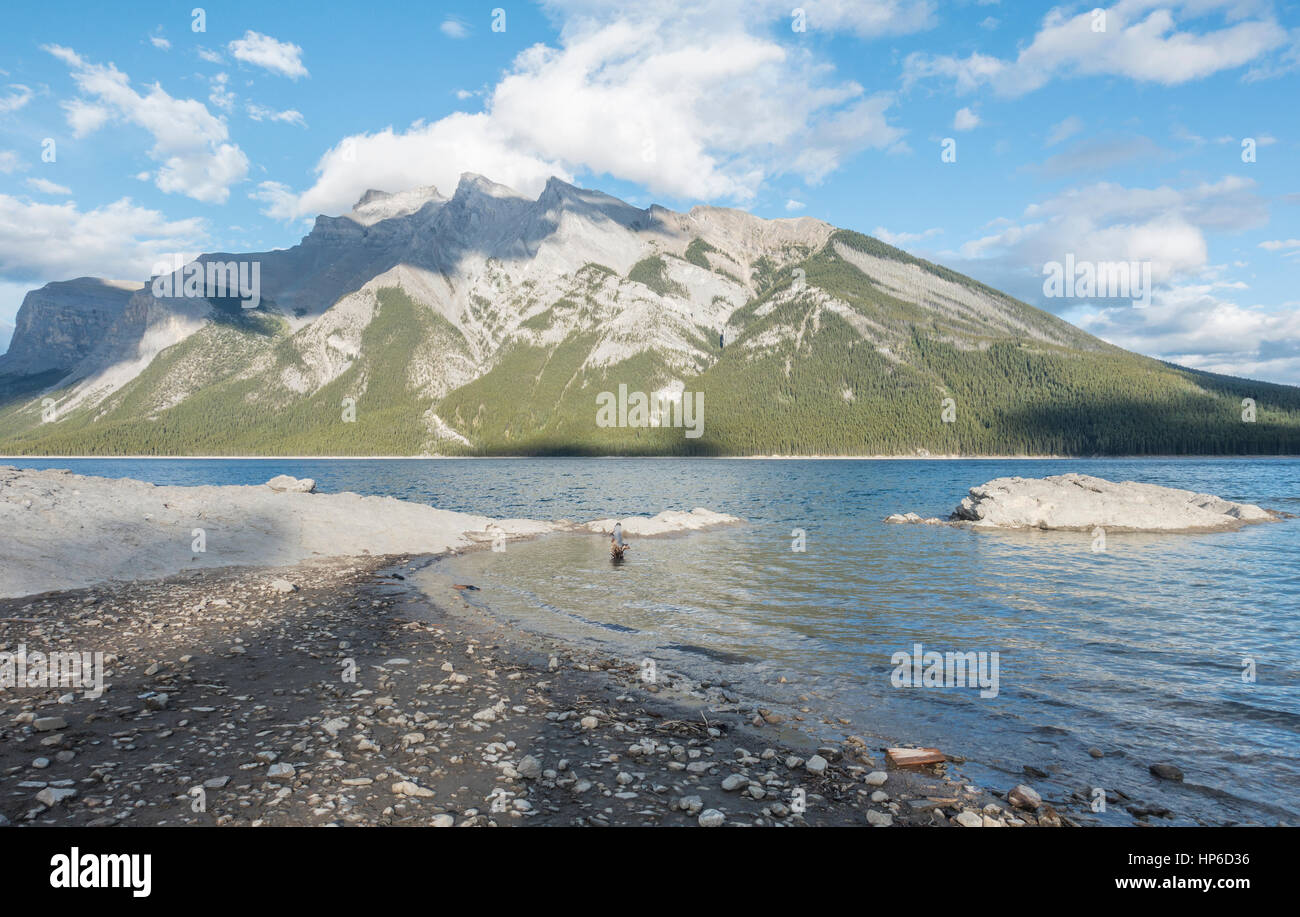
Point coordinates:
[(65, 531)]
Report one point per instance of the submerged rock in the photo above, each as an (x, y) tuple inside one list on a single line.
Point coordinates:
[(1166, 771)]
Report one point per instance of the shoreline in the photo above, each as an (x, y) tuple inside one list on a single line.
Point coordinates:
[(236, 712), (66, 530), (233, 606)]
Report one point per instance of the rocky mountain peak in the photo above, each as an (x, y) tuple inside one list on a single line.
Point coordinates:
[(58, 324), (375, 206)]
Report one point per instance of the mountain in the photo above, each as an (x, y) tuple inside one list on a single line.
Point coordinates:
[(489, 322)]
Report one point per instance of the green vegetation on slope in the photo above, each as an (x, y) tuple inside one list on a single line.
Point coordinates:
[(653, 272)]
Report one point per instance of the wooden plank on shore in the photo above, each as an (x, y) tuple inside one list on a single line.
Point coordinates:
[(911, 757)]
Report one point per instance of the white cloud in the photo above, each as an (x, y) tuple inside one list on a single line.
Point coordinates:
[(454, 28), (425, 154), (1290, 248), (159, 42), (965, 120), (687, 103), (45, 186), (1107, 222), (1192, 319), (41, 242), (10, 162), (264, 51), (1195, 326), (261, 113), (1141, 43), (219, 93), (212, 57), (85, 117), (190, 143), (16, 96), (901, 239), (864, 18), (1064, 130)]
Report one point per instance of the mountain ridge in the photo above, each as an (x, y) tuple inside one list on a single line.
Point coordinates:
[(488, 322)]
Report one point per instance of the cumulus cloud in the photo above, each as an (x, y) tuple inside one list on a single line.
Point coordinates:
[(965, 120), (263, 51), (1110, 222), (687, 103), (1195, 325), (40, 242), (426, 154), (1138, 42), (219, 93), (190, 143), (1193, 318)]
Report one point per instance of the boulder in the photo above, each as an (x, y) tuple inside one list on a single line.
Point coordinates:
[(283, 483), (1024, 797)]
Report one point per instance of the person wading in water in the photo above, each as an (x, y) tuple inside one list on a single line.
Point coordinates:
[(616, 543)]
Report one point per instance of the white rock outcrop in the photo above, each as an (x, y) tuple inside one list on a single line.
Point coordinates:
[(1083, 502), (665, 523), (284, 483)]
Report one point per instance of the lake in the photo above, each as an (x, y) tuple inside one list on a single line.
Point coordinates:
[(1137, 650)]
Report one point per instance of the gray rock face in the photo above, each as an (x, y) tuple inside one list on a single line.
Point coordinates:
[(1081, 502), (61, 322)]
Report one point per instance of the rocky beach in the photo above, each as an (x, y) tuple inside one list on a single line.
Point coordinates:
[(330, 690), (335, 693)]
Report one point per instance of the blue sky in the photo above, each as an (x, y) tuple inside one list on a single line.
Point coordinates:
[(1115, 138)]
